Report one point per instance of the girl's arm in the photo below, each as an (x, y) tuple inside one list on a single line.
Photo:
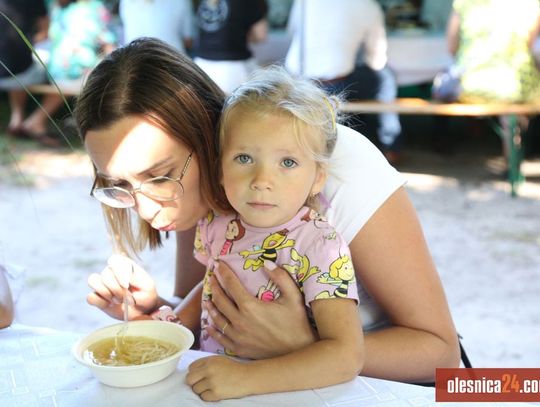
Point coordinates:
[(337, 357), (391, 259)]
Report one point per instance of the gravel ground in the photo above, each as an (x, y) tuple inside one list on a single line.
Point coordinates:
[(486, 245)]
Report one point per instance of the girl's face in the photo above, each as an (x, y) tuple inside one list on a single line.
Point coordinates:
[(134, 150), (266, 174)]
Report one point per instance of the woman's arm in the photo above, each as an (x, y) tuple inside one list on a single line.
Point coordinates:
[(258, 31), (6, 302), (392, 260), (189, 310), (337, 357), (189, 272), (393, 263)]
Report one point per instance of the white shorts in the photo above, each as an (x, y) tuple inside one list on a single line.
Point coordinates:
[(33, 75), (228, 75)]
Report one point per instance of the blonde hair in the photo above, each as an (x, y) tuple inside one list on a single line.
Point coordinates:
[(274, 90)]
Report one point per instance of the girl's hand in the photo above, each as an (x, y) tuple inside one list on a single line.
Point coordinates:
[(122, 272), (217, 378), (256, 329)]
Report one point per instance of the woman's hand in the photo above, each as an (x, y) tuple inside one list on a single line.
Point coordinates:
[(256, 329), (120, 273)]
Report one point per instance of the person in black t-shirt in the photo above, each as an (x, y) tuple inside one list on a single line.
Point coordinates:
[(226, 27)]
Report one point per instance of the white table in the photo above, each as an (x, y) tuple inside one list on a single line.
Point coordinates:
[(37, 369)]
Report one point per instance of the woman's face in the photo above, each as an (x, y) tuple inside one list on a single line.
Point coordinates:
[(134, 150)]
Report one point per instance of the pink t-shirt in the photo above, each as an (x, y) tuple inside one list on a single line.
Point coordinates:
[(307, 247)]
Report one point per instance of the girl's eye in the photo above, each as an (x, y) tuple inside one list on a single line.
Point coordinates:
[(289, 163), (243, 159)]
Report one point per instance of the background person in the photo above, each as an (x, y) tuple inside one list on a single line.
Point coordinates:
[(31, 17), (343, 45), (225, 30), (492, 42), (78, 35), (137, 127), (171, 21)]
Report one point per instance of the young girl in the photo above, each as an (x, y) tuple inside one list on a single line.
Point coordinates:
[(276, 137)]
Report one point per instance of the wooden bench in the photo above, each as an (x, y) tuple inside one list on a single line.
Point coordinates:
[(412, 106), (45, 89), (510, 135)]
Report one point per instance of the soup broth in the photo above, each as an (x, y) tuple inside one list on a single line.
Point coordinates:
[(131, 350)]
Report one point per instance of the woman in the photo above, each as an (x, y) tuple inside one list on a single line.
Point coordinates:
[(148, 117)]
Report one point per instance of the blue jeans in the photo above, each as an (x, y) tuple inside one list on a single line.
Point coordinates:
[(365, 83)]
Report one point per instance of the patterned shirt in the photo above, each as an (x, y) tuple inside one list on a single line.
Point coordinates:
[(317, 258), (494, 53), (77, 33)]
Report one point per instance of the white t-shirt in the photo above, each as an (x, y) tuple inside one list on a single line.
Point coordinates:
[(360, 181), (168, 20), (334, 34)]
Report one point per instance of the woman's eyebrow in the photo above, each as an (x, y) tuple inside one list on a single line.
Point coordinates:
[(160, 163)]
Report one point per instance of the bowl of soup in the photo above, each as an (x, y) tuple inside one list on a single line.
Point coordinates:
[(135, 353)]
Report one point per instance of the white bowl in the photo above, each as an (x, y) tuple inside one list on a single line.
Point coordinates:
[(137, 375)]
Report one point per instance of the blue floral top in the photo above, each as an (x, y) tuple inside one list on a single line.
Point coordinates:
[(78, 33)]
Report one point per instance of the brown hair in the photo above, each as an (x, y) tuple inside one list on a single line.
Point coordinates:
[(148, 78)]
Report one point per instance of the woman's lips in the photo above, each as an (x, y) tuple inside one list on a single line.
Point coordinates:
[(167, 228)]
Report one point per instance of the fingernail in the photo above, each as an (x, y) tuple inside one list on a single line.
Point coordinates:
[(269, 265)]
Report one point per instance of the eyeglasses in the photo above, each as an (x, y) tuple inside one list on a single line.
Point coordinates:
[(159, 188)]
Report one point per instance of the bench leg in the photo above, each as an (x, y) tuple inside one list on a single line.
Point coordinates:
[(510, 133)]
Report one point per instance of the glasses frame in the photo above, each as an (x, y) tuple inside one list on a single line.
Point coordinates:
[(139, 190)]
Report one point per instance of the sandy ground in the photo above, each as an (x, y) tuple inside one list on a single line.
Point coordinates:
[(486, 246)]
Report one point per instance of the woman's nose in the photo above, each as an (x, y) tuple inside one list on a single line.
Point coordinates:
[(146, 207)]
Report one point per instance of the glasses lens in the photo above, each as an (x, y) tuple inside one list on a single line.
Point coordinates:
[(162, 189), (114, 197)]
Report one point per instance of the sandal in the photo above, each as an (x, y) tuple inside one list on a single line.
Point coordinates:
[(45, 139), (15, 131)]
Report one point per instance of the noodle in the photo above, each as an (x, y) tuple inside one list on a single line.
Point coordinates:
[(134, 350)]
